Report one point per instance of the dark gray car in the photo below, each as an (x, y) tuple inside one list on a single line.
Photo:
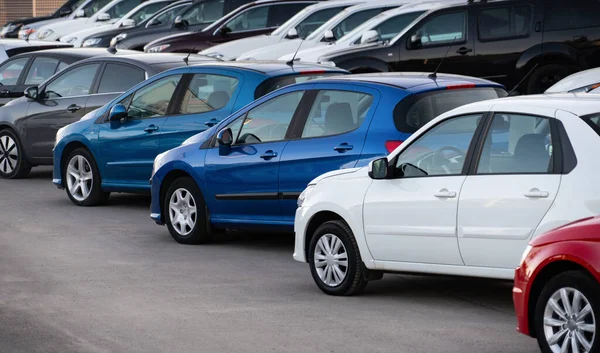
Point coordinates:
[(28, 125)]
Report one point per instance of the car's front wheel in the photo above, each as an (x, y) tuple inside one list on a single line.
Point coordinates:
[(334, 259), (186, 213), (13, 163), (566, 315), (82, 179)]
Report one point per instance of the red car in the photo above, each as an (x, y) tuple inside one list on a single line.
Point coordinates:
[(557, 288)]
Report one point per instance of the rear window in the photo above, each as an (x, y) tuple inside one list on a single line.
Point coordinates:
[(274, 83), (414, 112)]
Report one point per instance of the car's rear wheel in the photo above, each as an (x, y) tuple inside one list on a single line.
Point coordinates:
[(82, 179), (334, 259), (546, 76), (186, 213), (566, 315), (13, 163)]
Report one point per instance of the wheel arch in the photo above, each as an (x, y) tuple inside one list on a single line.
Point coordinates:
[(168, 179), (315, 221), (68, 149)]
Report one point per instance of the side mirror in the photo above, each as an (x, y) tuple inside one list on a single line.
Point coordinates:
[(179, 22), (224, 30), (65, 11), (153, 22), (415, 40), (378, 169), (79, 13), (128, 22), (328, 37), (225, 140), (103, 17), (31, 93), (117, 113), (371, 36), (292, 34)]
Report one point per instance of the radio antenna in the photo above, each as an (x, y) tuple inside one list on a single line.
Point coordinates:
[(433, 75), (291, 62), (187, 58), (523, 79)]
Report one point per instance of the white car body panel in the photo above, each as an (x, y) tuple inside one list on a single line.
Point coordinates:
[(575, 81)]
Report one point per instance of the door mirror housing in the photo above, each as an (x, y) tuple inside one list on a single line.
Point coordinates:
[(65, 11), (79, 13), (179, 22), (117, 113), (153, 22), (128, 22), (32, 93), (103, 17), (225, 140), (415, 39), (371, 36), (292, 34), (328, 36), (224, 30), (379, 169)]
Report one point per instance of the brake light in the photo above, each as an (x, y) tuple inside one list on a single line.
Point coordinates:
[(312, 72), (390, 146), (467, 85)]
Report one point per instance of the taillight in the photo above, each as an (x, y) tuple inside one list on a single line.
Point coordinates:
[(390, 146), (467, 85)]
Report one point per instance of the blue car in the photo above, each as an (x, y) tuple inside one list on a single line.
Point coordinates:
[(113, 148), (248, 170)]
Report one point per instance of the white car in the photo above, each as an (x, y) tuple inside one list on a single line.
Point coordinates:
[(582, 81), (106, 15), (389, 26), (337, 27), (299, 26), (137, 15), (462, 196)]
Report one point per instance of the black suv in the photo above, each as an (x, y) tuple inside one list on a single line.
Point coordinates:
[(529, 43)]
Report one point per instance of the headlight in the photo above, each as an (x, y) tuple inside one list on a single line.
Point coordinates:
[(117, 39), (45, 34), (328, 63), (59, 135), (215, 55), (585, 89), (90, 42), (69, 40), (304, 195), (7, 29), (26, 33), (525, 253), (158, 49)]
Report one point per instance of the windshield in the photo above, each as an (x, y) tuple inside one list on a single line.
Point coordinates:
[(169, 15), (122, 8), (93, 6), (275, 83), (310, 23), (145, 12), (353, 21)]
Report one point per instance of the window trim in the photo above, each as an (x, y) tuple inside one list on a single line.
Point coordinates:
[(512, 16), (22, 75), (174, 97), (74, 67), (104, 68), (429, 17), (30, 65)]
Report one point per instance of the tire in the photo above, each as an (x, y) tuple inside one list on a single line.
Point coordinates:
[(353, 280), (13, 162), (187, 220), (546, 76), (570, 282), (83, 183)]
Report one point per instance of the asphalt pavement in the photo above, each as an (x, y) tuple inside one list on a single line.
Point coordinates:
[(107, 279)]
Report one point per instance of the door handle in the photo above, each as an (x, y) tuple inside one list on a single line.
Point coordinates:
[(445, 194), (212, 122), (73, 108), (5, 92), (268, 155), (463, 50), (535, 193), (538, 26), (343, 147), (151, 128)]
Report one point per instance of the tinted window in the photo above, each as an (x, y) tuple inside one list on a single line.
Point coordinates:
[(390, 28), (504, 22), (315, 20), (207, 92), (593, 121), (336, 112), (255, 18), (444, 29), (93, 6), (274, 83), (269, 121), (282, 13), (517, 144), (122, 8), (147, 11), (168, 16), (119, 78), (61, 66), (75, 82), (412, 113), (10, 71), (40, 70), (153, 100), (205, 12), (441, 150), (353, 21), (566, 14)]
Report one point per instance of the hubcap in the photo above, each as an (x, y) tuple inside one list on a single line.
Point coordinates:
[(182, 211), (331, 260), (9, 154), (569, 322), (79, 178)]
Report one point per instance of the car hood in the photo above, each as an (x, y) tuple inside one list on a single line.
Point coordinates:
[(29, 20), (312, 54), (232, 50), (200, 138), (275, 51), (586, 229), (79, 36), (171, 38), (38, 25), (334, 173)]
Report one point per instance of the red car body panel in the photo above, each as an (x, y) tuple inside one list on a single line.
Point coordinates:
[(577, 243)]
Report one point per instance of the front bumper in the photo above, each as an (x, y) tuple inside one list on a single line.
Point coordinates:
[(520, 301), (155, 211), (300, 224), (57, 177)]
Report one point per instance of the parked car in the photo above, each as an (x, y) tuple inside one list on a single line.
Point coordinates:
[(12, 47), (30, 123), (297, 27), (11, 29), (557, 288), (137, 15), (463, 196), (32, 68), (195, 17), (498, 40), (332, 30), (252, 19), (583, 81), (249, 170), (156, 116)]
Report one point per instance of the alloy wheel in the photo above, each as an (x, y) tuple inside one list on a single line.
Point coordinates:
[(569, 322), (9, 154), (331, 260), (182, 211), (80, 178)]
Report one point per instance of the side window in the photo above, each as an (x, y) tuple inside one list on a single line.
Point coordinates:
[(568, 14), (254, 18), (153, 100), (390, 28), (444, 29), (441, 150), (315, 20), (10, 71), (119, 78), (353, 21), (61, 66), (205, 12), (269, 121), (149, 10), (166, 17), (75, 82), (336, 112), (281, 13), (517, 144), (207, 92), (120, 9), (41, 69), (504, 22)]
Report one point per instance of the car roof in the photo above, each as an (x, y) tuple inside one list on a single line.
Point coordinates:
[(272, 67), (154, 58), (80, 52), (19, 43)]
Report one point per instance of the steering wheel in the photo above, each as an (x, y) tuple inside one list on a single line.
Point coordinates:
[(439, 159)]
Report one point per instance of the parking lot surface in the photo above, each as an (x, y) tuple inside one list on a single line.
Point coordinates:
[(107, 279)]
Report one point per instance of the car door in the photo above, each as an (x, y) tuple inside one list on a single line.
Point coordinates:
[(411, 217), (207, 98), (244, 183), (509, 190), (127, 148), (115, 79), (11, 73), (62, 101), (329, 137)]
